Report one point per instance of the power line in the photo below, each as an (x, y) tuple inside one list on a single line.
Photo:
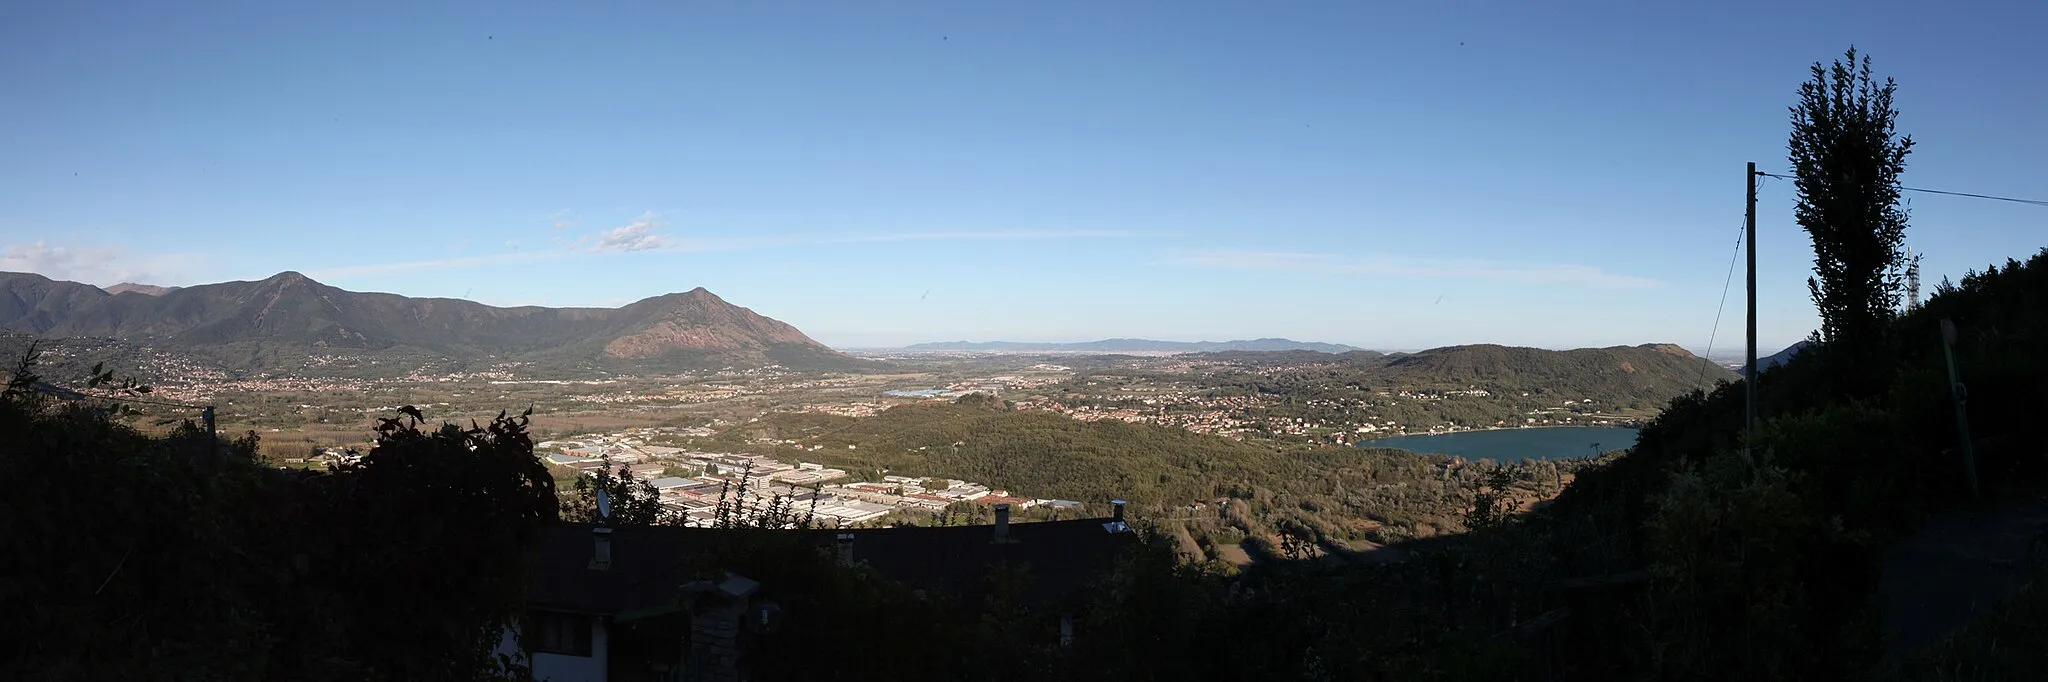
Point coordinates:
[(2034, 202), (2030, 202), (1741, 233)]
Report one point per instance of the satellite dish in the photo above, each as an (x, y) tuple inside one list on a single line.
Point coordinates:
[(604, 505)]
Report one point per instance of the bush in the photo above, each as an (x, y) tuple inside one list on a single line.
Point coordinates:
[(128, 556)]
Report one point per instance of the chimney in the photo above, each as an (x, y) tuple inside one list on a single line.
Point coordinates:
[(602, 559), (1002, 521), (845, 546), (1116, 519)]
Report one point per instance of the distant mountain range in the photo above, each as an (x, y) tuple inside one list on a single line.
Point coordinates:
[(1134, 346), (290, 322), (1780, 357), (1735, 362)]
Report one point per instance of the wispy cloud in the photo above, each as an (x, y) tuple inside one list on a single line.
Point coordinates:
[(1421, 268), (99, 265), (646, 234), (638, 235), (562, 219)]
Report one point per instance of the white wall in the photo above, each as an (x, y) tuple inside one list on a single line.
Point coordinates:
[(560, 668)]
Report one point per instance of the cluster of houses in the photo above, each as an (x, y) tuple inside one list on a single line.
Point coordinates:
[(691, 484), (991, 386), (933, 494)]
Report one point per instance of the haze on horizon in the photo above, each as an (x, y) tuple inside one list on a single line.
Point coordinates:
[(1387, 177)]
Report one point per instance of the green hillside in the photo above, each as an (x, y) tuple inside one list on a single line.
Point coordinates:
[(1338, 492), (1044, 453), (1632, 373), (1465, 386)]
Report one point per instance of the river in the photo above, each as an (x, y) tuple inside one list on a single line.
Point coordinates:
[(1505, 445)]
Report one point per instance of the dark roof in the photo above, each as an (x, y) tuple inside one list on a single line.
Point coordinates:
[(1060, 556)]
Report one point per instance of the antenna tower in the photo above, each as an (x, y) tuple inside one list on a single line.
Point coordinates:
[(1912, 279)]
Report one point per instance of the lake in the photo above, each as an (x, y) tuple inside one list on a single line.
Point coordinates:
[(1507, 445)]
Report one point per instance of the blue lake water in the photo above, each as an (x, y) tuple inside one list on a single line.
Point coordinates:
[(1507, 445)]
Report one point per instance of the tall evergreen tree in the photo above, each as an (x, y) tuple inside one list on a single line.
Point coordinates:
[(1846, 160)]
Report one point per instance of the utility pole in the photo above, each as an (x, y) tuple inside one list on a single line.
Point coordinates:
[(211, 434), (1961, 399), (1749, 368)]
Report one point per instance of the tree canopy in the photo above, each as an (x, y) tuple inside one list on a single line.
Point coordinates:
[(1846, 157)]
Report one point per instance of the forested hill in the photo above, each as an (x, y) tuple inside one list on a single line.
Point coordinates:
[(1636, 377), (1654, 371), (1845, 467), (286, 321)]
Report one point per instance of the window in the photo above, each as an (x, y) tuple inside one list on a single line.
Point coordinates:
[(567, 634)]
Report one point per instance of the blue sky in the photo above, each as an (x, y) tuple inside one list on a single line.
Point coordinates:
[(1391, 175)]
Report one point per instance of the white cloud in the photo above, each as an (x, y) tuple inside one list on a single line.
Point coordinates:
[(96, 265), (1326, 263), (635, 236)]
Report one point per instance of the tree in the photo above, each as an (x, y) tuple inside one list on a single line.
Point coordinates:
[(634, 502), (127, 555), (1846, 160), (416, 538)]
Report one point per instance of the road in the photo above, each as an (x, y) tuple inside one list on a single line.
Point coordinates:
[(1954, 568)]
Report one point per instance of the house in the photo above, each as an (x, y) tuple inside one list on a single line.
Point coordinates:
[(670, 483), (609, 603), (807, 477), (924, 501), (998, 498), (574, 461), (850, 511)]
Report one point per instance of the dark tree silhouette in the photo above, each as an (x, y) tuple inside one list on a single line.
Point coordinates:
[(634, 502), (1846, 159), (128, 555)]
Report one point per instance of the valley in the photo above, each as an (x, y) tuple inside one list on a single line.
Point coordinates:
[(1247, 454)]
